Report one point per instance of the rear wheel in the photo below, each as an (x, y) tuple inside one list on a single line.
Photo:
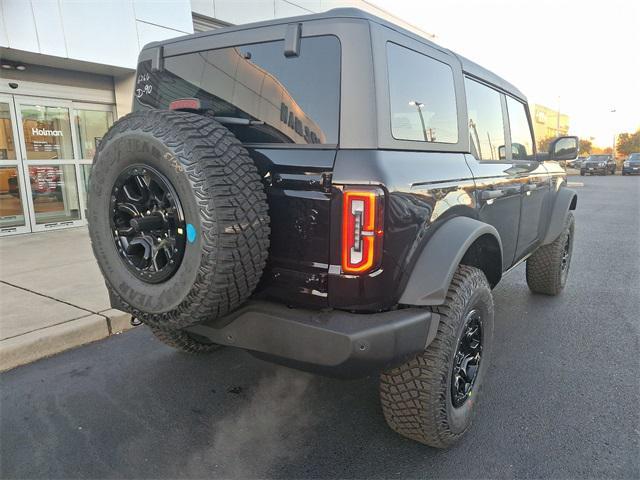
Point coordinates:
[(432, 398), (177, 217), (548, 267)]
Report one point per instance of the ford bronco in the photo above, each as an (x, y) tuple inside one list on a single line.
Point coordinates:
[(333, 193)]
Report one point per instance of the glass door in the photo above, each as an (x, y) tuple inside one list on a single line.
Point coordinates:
[(91, 123), (14, 213), (46, 151), (49, 162)]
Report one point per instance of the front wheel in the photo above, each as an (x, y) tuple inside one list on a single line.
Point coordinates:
[(548, 267), (432, 398)]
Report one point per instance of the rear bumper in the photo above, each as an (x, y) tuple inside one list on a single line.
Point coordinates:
[(334, 343)]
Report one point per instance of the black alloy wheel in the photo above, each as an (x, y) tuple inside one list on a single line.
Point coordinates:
[(466, 361), (148, 223), (565, 261)]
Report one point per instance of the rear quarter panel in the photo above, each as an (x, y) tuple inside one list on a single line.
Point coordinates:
[(423, 189)]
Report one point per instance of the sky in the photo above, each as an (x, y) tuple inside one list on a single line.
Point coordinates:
[(580, 55)]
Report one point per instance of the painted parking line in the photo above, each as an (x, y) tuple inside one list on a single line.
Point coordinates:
[(575, 184)]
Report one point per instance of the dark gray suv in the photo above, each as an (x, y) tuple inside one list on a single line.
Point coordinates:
[(334, 193), (598, 165), (631, 165)]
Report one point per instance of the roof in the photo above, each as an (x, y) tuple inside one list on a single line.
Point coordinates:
[(467, 65)]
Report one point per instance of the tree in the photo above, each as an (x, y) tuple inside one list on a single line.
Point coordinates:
[(585, 147), (543, 144), (628, 143)]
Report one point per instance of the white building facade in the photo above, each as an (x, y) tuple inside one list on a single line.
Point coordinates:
[(67, 72)]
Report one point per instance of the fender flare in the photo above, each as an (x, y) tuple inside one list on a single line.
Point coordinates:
[(566, 199), (433, 271)]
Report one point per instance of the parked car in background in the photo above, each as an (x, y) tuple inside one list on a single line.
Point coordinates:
[(631, 165), (598, 164), (576, 163)]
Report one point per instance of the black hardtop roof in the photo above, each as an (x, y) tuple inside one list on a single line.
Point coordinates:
[(468, 66)]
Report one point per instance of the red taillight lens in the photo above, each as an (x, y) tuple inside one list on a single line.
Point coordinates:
[(362, 229), (185, 104)]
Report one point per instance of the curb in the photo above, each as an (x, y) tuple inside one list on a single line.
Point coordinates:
[(49, 341), (117, 321)]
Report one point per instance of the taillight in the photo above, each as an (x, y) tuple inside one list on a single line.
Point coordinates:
[(185, 104), (362, 229)]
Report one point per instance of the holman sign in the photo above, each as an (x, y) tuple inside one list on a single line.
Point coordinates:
[(41, 132)]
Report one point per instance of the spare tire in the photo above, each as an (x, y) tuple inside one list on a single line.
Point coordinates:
[(178, 218)]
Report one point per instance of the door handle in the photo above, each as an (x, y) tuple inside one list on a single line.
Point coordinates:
[(491, 194)]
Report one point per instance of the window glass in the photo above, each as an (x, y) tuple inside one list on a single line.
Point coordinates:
[(91, 126), (10, 200), (423, 101), (290, 99), (486, 126), (521, 140), (7, 143), (55, 193), (47, 132)]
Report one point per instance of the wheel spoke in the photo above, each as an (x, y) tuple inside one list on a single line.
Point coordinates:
[(129, 209)]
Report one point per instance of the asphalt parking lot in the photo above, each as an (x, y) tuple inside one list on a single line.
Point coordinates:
[(561, 399)]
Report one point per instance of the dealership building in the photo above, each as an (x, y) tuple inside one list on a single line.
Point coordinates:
[(68, 71)]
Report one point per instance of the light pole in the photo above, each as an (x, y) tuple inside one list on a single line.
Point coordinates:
[(420, 106), (613, 150), (558, 119)]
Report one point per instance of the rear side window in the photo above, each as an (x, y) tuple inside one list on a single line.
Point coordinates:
[(290, 100), (423, 101), (486, 125), (521, 140)]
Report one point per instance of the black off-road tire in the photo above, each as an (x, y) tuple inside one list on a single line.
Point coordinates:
[(416, 397), (224, 203), (185, 342), (548, 267)]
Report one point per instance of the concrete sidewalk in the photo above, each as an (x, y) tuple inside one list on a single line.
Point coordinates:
[(52, 296)]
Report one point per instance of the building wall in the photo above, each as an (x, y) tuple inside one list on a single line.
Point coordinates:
[(545, 122), (110, 32), (247, 11), (105, 36)]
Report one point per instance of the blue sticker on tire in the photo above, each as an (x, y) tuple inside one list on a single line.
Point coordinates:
[(191, 233)]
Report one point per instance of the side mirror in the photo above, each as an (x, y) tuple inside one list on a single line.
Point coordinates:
[(564, 148)]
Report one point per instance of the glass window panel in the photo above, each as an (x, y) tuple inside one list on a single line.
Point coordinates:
[(86, 171), (521, 140), (486, 125), (423, 100), (297, 98), (55, 193), (11, 212), (47, 132), (91, 126), (7, 142)]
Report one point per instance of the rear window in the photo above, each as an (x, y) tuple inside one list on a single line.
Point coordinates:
[(423, 101), (296, 98)]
